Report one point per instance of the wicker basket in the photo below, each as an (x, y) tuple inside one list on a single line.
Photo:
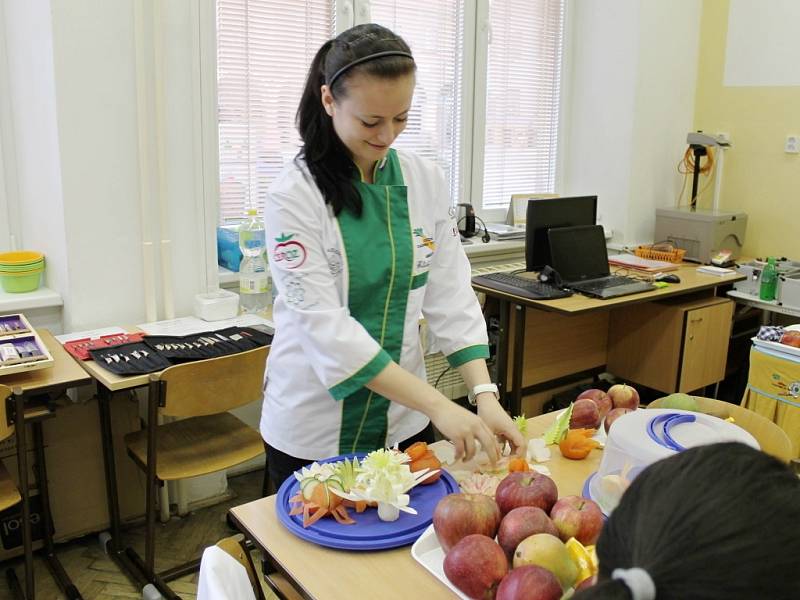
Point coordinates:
[(675, 256)]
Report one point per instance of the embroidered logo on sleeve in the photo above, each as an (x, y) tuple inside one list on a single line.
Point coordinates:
[(294, 292), (425, 249), (288, 253), (424, 240), (334, 261)]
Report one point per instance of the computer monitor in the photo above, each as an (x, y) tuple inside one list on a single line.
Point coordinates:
[(547, 213)]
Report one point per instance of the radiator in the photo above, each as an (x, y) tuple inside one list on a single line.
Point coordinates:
[(449, 382)]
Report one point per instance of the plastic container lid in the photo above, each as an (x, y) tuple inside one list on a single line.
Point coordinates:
[(369, 532), (641, 437)]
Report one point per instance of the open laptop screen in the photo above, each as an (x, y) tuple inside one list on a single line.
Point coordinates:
[(579, 253)]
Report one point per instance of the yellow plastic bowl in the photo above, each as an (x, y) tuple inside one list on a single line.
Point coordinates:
[(20, 257), (18, 283)]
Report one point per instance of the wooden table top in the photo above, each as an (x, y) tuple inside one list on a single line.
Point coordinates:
[(331, 574), (65, 372), (691, 281)]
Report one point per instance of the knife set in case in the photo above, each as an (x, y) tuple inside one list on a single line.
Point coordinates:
[(157, 352)]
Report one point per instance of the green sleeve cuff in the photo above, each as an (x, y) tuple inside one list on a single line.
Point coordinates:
[(456, 359), (365, 374)]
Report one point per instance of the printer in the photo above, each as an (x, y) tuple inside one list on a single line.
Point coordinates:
[(701, 232)]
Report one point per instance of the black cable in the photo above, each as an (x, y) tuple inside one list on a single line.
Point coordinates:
[(486, 238), (439, 378)]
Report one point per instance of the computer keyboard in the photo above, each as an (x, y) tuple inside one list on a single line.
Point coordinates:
[(521, 286)]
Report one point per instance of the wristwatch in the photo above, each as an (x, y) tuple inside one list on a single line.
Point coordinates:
[(472, 395)]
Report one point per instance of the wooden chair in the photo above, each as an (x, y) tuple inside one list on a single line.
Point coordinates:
[(9, 494), (206, 439), (772, 439)]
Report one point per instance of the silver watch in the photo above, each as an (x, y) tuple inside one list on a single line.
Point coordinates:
[(472, 395)]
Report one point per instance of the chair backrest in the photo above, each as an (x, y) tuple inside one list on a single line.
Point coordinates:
[(234, 546), (772, 439), (6, 430), (215, 385)]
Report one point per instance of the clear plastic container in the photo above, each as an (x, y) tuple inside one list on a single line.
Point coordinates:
[(255, 283), (639, 438)]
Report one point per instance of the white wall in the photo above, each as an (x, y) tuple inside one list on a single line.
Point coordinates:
[(630, 77), (102, 131), (33, 129), (104, 94)]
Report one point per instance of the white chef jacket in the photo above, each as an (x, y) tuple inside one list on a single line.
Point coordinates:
[(350, 294)]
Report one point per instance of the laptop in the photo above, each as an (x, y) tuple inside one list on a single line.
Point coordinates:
[(580, 257)]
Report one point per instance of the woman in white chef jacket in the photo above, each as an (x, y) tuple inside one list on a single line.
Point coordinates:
[(362, 242)]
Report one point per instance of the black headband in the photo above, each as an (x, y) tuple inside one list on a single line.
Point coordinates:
[(364, 59)]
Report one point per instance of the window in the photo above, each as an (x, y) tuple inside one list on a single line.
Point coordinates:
[(485, 107), (521, 100), (434, 29), (264, 48)]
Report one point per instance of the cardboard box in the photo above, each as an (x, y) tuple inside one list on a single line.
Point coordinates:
[(75, 473)]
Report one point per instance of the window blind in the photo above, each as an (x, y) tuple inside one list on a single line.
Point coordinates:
[(522, 99), (264, 49), (434, 29)]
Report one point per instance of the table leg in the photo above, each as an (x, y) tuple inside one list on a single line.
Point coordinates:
[(104, 397), (502, 354), (22, 461), (519, 359)]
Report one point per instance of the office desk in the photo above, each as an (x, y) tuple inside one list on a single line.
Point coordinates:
[(52, 382), (324, 573), (571, 334)]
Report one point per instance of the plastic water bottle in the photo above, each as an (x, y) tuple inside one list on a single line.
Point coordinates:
[(769, 280), (255, 284)]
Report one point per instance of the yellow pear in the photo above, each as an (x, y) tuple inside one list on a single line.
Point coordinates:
[(547, 551)]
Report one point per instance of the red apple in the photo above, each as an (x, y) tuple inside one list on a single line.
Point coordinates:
[(585, 415), (613, 415), (600, 398), (476, 565), (577, 517), (526, 488), (623, 396), (529, 582), (459, 515), (520, 523), (791, 338)]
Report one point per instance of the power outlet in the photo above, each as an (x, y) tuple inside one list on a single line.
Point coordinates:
[(792, 145)]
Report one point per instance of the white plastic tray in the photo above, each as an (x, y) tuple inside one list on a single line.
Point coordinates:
[(777, 347), (427, 552), (32, 365)]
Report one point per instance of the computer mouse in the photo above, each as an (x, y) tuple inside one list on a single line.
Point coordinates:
[(668, 278)]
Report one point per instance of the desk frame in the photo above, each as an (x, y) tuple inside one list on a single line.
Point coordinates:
[(691, 282), (52, 385)]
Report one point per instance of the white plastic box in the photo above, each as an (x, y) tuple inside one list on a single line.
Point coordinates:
[(752, 270), (789, 290), (216, 306)]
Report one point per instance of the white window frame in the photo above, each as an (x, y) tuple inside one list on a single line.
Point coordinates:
[(354, 12)]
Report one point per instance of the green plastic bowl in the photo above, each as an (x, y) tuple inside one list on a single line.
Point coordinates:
[(21, 268), (17, 284)]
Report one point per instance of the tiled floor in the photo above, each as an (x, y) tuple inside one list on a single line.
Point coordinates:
[(98, 578)]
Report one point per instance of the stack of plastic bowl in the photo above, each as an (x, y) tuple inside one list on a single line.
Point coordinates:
[(21, 271)]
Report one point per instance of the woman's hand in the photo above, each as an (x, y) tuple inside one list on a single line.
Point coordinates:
[(463, 428), (498, 421)]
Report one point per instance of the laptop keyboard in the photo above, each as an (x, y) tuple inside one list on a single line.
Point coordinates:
[(521, 286), (607, 282)]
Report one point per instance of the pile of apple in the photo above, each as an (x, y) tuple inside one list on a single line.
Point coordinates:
[(595, 406), (530, 557)]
